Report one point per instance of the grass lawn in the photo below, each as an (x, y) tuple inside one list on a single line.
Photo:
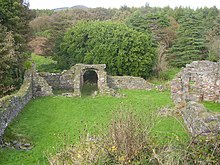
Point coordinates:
[(50, 122), (213, 107)]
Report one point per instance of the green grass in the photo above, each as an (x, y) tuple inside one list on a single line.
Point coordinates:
[(47, 121), (213, 107), (89, 89), (164, 76), (44, 64)]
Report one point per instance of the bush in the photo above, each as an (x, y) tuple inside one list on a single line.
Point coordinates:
[(124, 50), (126, 142), (204, 150), (129, 142)]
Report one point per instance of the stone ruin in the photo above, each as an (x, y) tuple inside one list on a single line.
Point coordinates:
[(96, 72), (199, 121), (74, 79), (197, 82), (42, 84)]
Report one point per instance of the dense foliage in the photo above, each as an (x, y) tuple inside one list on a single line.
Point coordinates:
[(190, 44), (49, 26), (180, 35), (124, 50), (14, 18)]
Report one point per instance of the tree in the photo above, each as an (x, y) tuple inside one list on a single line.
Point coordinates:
[(7, 61), (14, 32), (213, 40), (190, 43), (124, 50), (160, 26)]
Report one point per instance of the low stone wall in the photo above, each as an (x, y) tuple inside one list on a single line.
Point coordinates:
[(64, 80), (198, 81), (11, 105), (199, 121), (53, 79), (33, 86), (40, 86), (128, 82)]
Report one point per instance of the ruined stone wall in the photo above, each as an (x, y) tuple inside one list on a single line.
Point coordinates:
[(40, 86), (53, 79), (64, 80), (11, 105), (71, 79), (199, 121), (198, 81), (128, 82)]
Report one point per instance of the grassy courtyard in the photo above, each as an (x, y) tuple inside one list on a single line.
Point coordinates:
[(49, 123)]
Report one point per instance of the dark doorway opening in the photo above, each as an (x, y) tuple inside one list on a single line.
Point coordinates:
[(90, 82)]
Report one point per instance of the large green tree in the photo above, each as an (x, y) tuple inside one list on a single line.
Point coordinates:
[(7, 61), (124, 50), (14, 33), (190, 43), (162, 28)]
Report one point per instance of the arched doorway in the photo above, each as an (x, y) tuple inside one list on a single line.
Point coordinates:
[(90, 82)]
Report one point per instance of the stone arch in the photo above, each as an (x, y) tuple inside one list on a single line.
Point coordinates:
[(89, 82), (90, 76), (79, 76)]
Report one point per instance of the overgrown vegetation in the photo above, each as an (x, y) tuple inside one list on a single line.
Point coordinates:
[(127, 139), (179, 35), (14, 34)]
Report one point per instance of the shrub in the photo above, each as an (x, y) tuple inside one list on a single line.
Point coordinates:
[(203, 150), (127, 141), (124, 50)]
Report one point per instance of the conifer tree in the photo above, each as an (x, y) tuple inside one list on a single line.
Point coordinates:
[(190, 43)]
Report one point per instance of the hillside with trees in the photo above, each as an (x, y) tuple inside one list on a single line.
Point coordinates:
[(179, 35), (142, 41)]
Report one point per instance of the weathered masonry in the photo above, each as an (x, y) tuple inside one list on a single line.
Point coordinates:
[(74, 78), (94, 71), (197, 82)]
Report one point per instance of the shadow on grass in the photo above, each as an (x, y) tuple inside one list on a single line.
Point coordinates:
[(88, 89)]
